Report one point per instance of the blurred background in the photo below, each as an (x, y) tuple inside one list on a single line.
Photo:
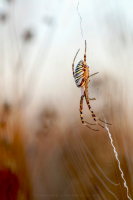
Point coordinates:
[(45, 151)]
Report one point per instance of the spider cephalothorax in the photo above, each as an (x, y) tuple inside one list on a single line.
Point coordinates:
[(81, 76)]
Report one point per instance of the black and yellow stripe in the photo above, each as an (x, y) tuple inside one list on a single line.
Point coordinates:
[(79, 73)]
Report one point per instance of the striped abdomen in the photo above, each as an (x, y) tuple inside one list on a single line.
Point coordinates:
[(79, 74)]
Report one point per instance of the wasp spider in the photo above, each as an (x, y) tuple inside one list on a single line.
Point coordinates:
[(81, 76)]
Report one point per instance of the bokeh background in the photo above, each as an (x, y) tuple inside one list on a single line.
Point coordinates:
[(46, 152)]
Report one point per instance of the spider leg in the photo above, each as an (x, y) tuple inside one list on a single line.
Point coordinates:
[(85, 54), (93, 74), (81, 115), (74, 61), (104, 122), (89, 123), (93, 115), (92, 99)]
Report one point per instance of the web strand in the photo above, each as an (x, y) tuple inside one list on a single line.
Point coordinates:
[(80, 21), (116, 156)]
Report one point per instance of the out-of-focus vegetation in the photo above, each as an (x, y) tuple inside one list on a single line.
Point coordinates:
[(15, 182)]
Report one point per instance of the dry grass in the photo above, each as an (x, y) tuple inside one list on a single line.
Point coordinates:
[(15, 183)]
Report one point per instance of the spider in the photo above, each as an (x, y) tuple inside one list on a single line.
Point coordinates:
[(81, 76)]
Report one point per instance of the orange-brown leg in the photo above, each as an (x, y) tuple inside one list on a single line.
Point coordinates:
[(91, 75), (92, 99), (93, 115), (104, 122), (81, 115), (85, 54), (74, 61)]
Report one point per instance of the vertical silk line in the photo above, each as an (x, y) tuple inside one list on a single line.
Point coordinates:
[(116, 156), (80, 20)]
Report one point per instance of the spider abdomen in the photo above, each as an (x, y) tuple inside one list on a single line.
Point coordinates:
[(79, 74)]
